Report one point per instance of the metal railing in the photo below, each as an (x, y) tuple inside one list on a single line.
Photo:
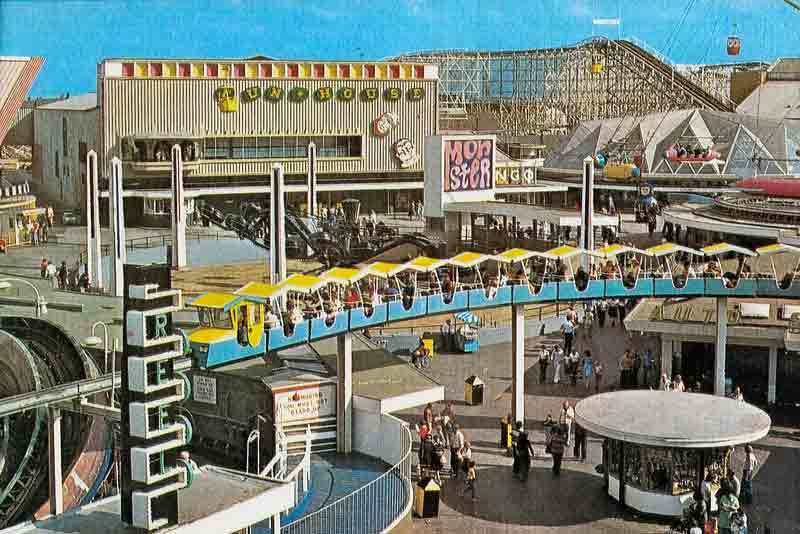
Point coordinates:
[(372, 509), (276, 468)]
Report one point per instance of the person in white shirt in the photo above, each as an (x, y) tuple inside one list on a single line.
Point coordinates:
[(270, 319), (457, 442), (566, 419), (677, 384), (666, 383), (558, 359), (51, 274), (748, 470)]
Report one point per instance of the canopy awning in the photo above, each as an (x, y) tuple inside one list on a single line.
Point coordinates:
[(260, 291), (665, 249), (424, 264), (383, 269), (777, 248), (303, 283), (616, 249), (216, 301), (564, 252), (343, 275), (724, 248), (468, 318), (468, 259), (515, 255)]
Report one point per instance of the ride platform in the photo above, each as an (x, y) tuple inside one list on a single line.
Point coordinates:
[(219, 501)]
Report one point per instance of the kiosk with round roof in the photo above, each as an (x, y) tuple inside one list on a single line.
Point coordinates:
[(660, 445)]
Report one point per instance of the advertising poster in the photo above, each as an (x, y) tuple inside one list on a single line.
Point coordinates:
[(468, 165)]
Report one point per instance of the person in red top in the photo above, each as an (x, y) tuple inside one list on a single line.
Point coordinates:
[(351, 297)]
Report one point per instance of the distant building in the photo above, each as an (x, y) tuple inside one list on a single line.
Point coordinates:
[(235, 118), (64, 131)]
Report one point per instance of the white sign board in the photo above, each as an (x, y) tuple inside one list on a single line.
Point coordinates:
[(304, 402), (205, 389)]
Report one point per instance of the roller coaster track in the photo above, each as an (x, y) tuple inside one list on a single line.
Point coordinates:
[(698, 94), (57, 361)]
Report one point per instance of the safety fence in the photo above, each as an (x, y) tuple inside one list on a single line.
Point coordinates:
[(374, 508)]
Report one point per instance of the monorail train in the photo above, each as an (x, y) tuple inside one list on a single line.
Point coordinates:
[(774, 186), (259, 318)]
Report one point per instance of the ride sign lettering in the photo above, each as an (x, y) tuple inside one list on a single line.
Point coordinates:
[(468, 165)]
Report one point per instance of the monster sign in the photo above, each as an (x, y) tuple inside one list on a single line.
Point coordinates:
[(468, 165)]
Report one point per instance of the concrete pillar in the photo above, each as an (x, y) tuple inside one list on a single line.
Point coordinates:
[(518, 363), (772, 374), (94, 257), (116, 222), (276, 524), (178, 211), (666, 357), (311, 199), (721, 340), (587, 209), (54, 461), (344, 393), (277, 227)]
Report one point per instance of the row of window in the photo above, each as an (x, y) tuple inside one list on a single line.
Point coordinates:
[(284, 147)]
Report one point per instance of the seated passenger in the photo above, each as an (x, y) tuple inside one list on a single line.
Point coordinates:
[(295, 313), (632, 275), (433, 283), (502, 280), (351, 298), (732, 279), (786, 281), (491, 288), (448, 288), (270, 319), (408, 294), (609, 271), (329, 315), (581, 279), (241, 330)]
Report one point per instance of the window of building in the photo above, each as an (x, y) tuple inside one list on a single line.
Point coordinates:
[(282, 147), (64, 140), (82, 151), (218, 148), (157, 206), (56, 164)]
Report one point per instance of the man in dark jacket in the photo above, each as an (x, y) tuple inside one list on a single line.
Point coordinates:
[(557, 444)]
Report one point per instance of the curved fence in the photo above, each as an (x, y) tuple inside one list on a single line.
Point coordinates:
[(372, 509)]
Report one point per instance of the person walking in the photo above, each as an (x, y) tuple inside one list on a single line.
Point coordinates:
[(580, 443), (52, 275), (544, 361), (648, 365), (558, 360), (62, 276), (637, 366), (524, 454), (588, 367), (456, 444), (709, 493), (625, 366), (666, 383), (557, 445), (733, 483), (566, 420), (568, 329), (471, 481), (515, 434), (602, 309), (748, 470), (598, 376), (43, 268), (678, 385)]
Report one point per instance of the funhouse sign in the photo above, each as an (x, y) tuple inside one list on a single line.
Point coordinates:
[(468, 165)]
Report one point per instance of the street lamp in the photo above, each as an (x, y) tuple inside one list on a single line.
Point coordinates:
[(255, 435), (41, 304), (94, 341)]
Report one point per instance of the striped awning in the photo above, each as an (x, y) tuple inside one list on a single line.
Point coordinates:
[(16, 78), (468, 318)]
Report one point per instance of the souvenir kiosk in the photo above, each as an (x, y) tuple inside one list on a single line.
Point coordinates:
[(659, 445)]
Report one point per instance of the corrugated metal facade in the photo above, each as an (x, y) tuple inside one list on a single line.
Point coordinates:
[(16, 79), (177, 107)]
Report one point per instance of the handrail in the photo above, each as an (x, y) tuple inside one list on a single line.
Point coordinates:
[(323, 520)]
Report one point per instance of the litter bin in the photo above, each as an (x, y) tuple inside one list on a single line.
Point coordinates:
[(473, 391), (506, 426), (426, 498), (427, 340)]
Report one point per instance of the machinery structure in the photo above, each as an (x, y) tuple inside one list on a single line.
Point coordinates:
[(551, 90)]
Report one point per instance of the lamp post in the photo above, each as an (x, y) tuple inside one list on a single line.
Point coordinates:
[(94, 341), (41, 304), (254, 435)]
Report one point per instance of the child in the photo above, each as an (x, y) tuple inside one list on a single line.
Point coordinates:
[(471, 480)]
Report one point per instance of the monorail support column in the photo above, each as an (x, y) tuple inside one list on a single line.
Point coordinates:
[(116, 219), (518, 363), (178, 210), (666, 356), (772, 374), (277, 227), (56, 477), (344, 393), (94, 259), (721, 341), (311, 199), (587, 210)]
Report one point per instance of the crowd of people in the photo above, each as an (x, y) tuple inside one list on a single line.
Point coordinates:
[(63, 277), (36, 229)]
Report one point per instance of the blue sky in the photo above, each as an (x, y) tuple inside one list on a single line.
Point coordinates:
[(74, 35)]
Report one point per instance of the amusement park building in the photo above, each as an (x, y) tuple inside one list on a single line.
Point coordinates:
[(747, 145), (235, 118)]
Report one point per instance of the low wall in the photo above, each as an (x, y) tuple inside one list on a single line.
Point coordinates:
[(378, 435)]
